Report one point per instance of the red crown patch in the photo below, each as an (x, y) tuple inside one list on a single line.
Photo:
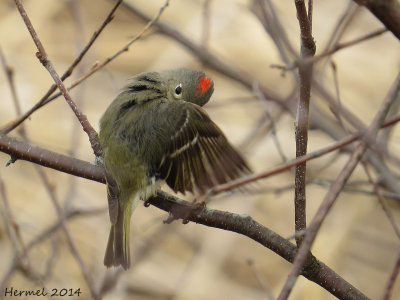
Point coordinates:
[(203, 84)]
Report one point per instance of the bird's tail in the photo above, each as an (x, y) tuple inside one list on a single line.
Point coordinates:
[(117, 252)]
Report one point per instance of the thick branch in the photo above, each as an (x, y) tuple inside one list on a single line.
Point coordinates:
[(387, 11), (314, 270), (20, 150)]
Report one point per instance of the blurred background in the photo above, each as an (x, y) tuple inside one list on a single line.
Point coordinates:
[(192, 261)]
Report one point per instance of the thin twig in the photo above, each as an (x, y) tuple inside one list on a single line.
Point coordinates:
[(55, 201), (45, 61), (259, 130), (42, 236), (12, 224), (337, 110), (340, 28), (318, 119), (245, 225), (75, 141), (22, 262), (387, 178), (6, 213), (12, 125), (261, 281), (336, 48), (207, 57), (124, 49), (272, 121), (378, 193), (22, 151), (344, 45), (351, 189), (47, 99), (376, 157), (71, 244), (336, 188), (8, 70), (342, 24), (266, 13)]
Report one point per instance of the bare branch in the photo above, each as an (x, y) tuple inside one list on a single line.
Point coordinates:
[(333, 50), (314, 270), (12, 125), (318, 119), (261, 281), (336, 188), (45, 234), (378, 193), (206, 57), (71, 244), (20, 150), (278, 146), (387, 11), (307, 49), (45, 60), (50, 189), (47, 99), (8, 70), (252, 178)]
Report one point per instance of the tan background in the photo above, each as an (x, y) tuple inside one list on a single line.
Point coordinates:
[(191, 261)]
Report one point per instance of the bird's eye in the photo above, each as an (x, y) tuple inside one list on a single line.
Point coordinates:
[(178, 90)]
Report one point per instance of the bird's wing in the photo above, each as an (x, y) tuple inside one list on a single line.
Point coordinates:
[(196, 152)]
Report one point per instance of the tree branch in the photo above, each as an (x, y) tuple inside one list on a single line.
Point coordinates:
[(336, 188), (307, 50), (387, 11), (44, 100), (318, 119), (20, 150), (45, 60), (47, 99), (313, 270)]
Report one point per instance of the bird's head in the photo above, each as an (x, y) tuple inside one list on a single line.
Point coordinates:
[(188, 85)]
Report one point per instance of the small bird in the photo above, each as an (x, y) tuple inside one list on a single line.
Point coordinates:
[(155, 131)]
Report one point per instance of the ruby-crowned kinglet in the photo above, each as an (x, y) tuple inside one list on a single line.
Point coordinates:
[(156, 130)]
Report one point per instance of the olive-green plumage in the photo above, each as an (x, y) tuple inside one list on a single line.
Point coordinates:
[(156, 130)]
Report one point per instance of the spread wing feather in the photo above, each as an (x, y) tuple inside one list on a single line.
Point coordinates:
[(196, 154)]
